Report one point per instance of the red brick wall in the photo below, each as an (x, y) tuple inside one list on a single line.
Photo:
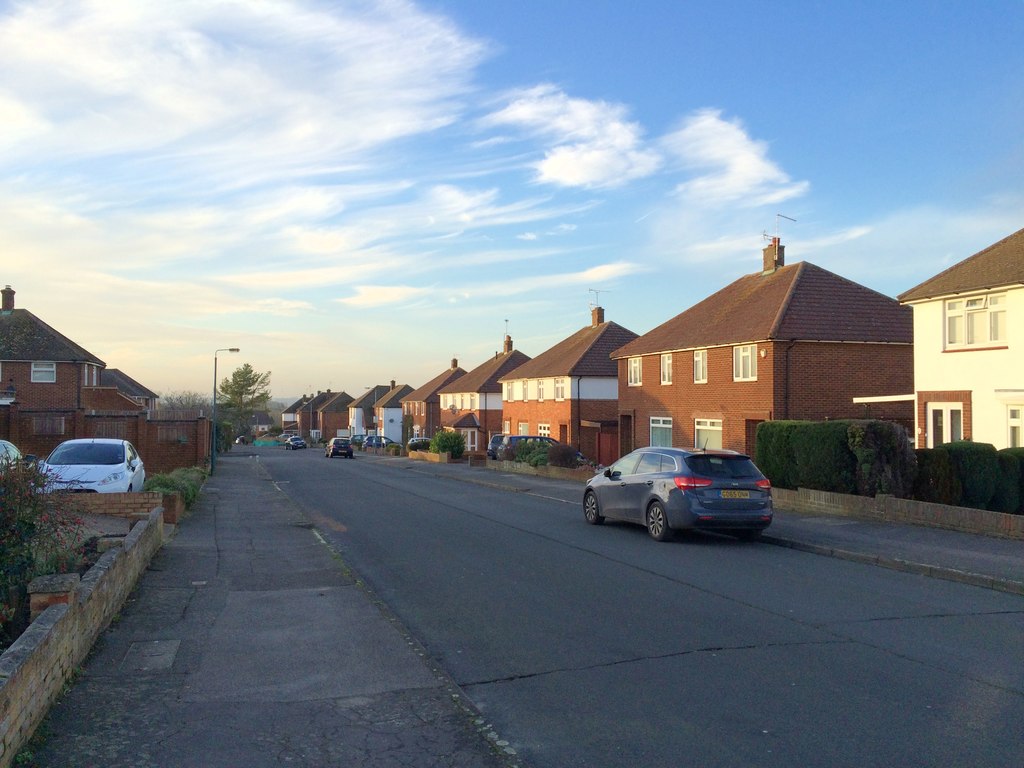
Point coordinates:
[(801, 380), (107, 399), (948, 396), (64, 393), (332, 422)]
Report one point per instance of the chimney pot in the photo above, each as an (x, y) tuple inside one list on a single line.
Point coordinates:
[(455, 363), (774, 255), (8, 299), (508, 344)]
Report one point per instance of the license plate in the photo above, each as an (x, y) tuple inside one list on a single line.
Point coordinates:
[(735, 494)]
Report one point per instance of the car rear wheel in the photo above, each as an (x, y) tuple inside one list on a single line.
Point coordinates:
[(657, 522), (591, 509)]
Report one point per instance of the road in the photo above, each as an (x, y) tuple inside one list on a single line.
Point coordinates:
[(596, 646)]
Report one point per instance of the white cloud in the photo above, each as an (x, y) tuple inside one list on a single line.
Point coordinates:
[(379, 295), (595, 145), (733, 168)]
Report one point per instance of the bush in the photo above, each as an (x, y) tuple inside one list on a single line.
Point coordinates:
[(1010, 484), (936, 480), (393, 449), (774, 453), (822, 458), (452, 443), (885, 460), (562, 455), (186, 481), (977, 467)]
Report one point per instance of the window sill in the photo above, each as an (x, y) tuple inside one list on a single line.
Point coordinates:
[(974, 349)]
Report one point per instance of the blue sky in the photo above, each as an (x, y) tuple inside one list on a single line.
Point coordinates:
[(356, 191)]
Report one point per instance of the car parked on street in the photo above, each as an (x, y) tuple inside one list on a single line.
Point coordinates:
[(357, 440), (94, 465), (670, 489), (338, 446), (294, 443), (418, 444), (510, 443), (377, 441), (492, 446)]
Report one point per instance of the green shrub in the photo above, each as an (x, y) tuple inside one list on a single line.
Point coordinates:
[(393, 449), (186, 481), (774, 452), (977, 467), (562, 455), (537, 455), (822, 458), (885, 460), (1009, 496), (936, 480), (452, 443)]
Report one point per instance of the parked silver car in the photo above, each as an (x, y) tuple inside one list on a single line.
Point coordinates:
[(669, 489)]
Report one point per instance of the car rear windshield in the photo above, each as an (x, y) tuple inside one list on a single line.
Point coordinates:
[(87, 453), (722, 466)]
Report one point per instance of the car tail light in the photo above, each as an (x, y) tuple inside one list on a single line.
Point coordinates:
[(764, 484), (684, 483)]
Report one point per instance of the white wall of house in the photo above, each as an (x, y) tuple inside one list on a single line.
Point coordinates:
[(994, 376), (355, 420), (392, 426)]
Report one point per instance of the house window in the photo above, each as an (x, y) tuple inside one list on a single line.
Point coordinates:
[(700, 366), (524, 427), (462, 400), (506, 426), (1015, 422), (666, 368), (945, 423), (526, 389), (976, 321), (661, 431), (633, 372), (707, 433), (44, 373), (744, 363), (544, 430), (540, 390), (506, 391), (559, 389)]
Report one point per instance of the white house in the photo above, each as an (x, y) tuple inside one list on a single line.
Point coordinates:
[(969, 349)]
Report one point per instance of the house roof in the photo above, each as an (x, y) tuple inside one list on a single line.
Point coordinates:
[(485, 377), (114, 377), (296, 405), (800, 301), (26, 338), (337, 404), (393, 398), (369, 398), (586, 353), (428, 393), (998, 266)]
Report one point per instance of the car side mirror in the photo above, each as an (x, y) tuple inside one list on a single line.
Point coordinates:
[(608, 473)]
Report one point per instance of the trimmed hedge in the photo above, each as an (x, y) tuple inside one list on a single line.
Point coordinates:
[(977, 467), (937, 480), (452, 443), (1007, 497)]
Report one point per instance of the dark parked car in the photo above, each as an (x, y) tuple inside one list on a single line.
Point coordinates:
[(668, 489), (357, 440), (338, 446), (377, 441), (509, 443), (294, 443), (418, 444), (492, 446)]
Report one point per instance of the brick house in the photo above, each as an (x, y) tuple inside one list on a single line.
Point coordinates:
[(361, 416), (421, 408), (571, 391), (308, 421), (334, 416), (969, 349), (472, 403), (789, 342), (129, 387), (53, 391), (289, 417)]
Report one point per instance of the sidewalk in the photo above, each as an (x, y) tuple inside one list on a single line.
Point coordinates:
[(982, 561), (247, 643)]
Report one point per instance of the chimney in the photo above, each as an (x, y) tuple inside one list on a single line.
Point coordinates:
[(597, 315), (508, 344), (8, 301), (455, 363), (774, 256), (392, 383)]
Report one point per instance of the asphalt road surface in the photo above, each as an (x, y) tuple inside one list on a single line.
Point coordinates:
[(597, 646)]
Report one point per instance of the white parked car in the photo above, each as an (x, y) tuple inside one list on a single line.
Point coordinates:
[(98, 465)]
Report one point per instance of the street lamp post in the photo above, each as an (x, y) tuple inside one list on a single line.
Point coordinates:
[(213, 426)]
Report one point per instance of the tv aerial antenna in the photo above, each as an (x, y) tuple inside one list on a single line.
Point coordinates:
[(777, 217), (597, 296)]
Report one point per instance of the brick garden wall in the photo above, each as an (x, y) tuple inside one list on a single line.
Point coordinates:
[(35, 669)]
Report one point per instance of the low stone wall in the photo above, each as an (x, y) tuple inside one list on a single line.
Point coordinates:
[(436, 458), (556, 473), (891, 509), (34, 670), (130, 505)]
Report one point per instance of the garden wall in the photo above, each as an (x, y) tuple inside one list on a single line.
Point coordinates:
[(34, 670)]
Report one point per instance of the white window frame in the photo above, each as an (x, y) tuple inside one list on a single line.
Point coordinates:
[(506, 391), (506, 426), (559, 389), (544, 430), (700, 366), (661, 423), (946, 409), (526, 389), (1015, 426), (705, 426), (540, 390), (666, 368), (523, 428), (975, 321), (44, 373), (744, 362), (634, 372)]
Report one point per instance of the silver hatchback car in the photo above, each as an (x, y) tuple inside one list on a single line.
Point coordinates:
[(669, 489)]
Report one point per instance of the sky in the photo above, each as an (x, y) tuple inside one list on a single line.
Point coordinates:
[(354, 192)]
